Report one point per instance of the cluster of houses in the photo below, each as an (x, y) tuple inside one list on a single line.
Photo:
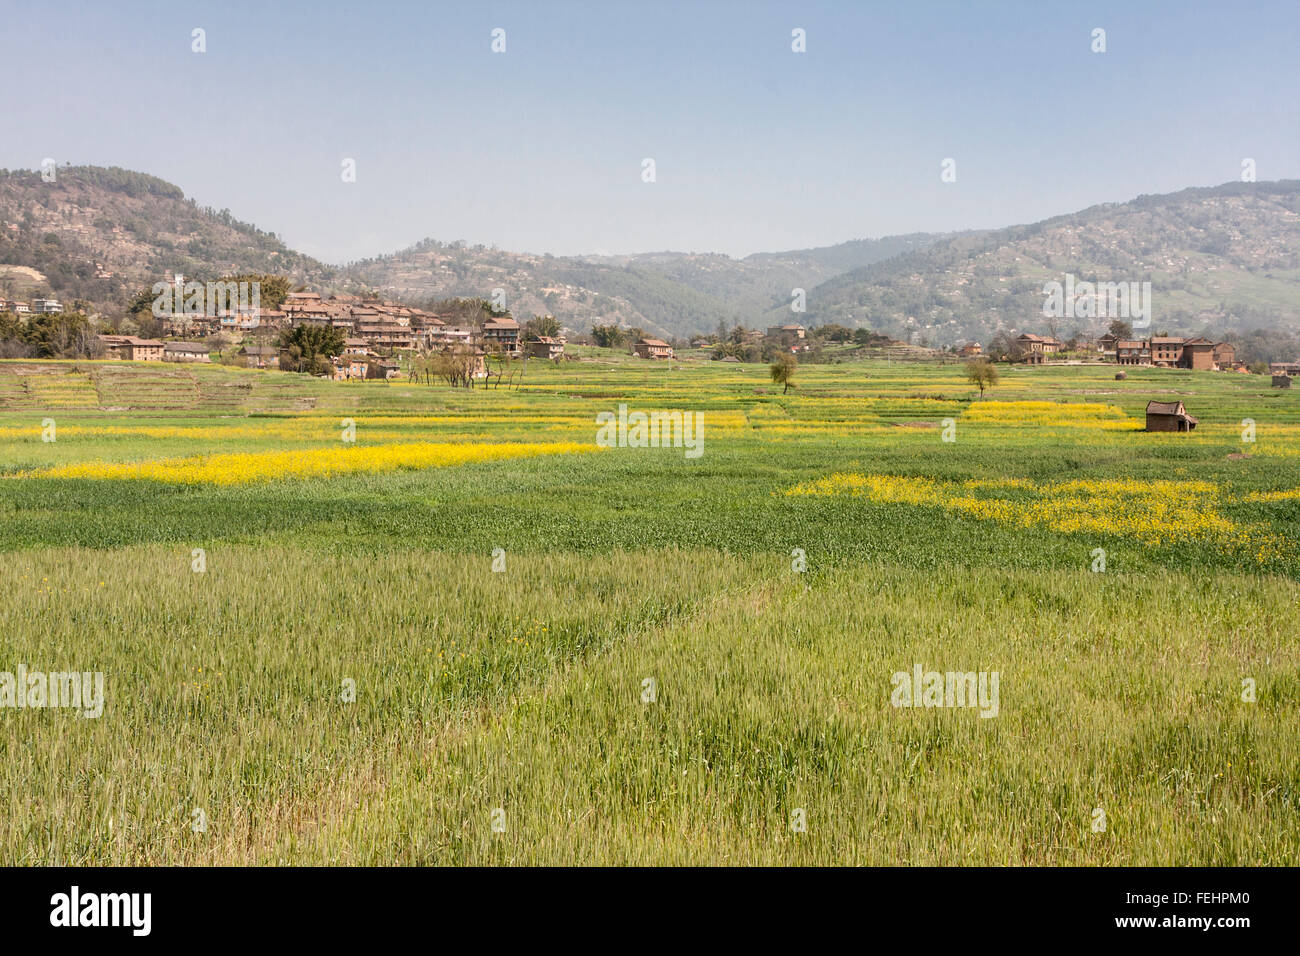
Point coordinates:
[(135, 349), (36, 307), (358, 360), (381, 325), (1157, 351), (1171, 352), (791, 337), (373, 330)]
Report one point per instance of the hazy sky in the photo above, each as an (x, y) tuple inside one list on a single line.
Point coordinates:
[(756, 148)]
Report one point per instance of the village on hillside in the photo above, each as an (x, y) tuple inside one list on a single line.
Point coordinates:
[(1157, 351), (374, 335)]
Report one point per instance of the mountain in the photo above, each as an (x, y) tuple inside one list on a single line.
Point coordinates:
[(97, 235), (1217, 258), (668, 293)]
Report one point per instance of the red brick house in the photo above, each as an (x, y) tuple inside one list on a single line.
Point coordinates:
[(654, 349), (1198, 353), (502, 333), (132, 349), (1132, 352), (1166, 350)]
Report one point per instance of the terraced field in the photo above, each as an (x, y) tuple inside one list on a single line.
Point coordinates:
[(396, 622)]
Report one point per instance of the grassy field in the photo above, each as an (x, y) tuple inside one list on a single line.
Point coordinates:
[(398, 623)]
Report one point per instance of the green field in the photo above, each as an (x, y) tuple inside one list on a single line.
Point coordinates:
[(677, 659)]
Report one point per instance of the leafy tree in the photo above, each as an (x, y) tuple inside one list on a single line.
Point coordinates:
[(272, 289), (607, 336), (311, 347), (50, 335), (982, 373), (141, 302), (782, 371), (834, 332), (539, 326), (1121, 329)]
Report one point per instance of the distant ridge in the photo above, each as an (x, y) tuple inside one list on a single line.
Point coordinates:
[(1218, 257)]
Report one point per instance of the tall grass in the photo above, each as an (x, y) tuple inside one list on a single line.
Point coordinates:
[(522, 691)]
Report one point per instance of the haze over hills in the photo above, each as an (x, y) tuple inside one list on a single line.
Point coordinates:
[(668, 293), (97, 235), (1218, 258)]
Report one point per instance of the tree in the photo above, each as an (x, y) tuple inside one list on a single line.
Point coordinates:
[(504, 363), (311, 347), (456, 365), (1121, 329), (782, 371), (220, 341), (607, 336), (272, 290), (1004, 347), (461, 311), (833, 332), (540, 326), (982, 373)]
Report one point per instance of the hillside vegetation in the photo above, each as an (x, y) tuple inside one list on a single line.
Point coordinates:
[(1219, 258), (99, 235), (667, 293)]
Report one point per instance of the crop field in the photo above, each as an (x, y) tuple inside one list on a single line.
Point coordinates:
[(371, 623)]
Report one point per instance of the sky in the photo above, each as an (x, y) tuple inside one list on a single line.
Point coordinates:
[(541, 148)]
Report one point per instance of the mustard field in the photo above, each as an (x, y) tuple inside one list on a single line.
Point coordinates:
[(370, 623)]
